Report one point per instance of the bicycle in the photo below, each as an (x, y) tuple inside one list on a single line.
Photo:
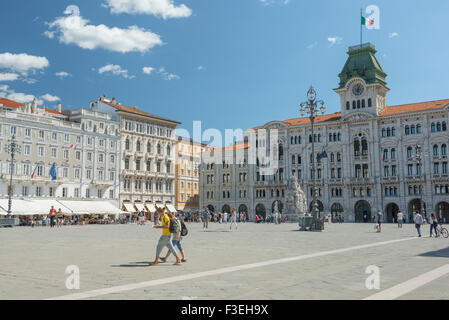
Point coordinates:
[(443, 231)]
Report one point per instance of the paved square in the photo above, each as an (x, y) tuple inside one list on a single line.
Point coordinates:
[(254, 262)]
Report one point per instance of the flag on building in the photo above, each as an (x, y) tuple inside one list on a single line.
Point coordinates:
[(367, 22), (34, 172), (53, 172), (71, 146), (321, 155)]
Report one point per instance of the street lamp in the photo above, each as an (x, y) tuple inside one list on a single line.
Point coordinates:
[(419, 158), (12, 148), (311, 107)]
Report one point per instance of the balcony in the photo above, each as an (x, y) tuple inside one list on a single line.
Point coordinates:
[(128, 153), (127, 172), (98, 182), (149, 156), (390, 179), (139, 154)]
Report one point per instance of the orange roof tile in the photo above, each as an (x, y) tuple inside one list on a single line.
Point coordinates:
[(414, 107), (54, 111), (237, 146), (136, 110), (10, 103)]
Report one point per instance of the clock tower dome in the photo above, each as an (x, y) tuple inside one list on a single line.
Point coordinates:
[(362, 87)]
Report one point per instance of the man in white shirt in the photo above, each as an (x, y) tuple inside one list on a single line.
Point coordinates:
[(400, 219), (418, 222)]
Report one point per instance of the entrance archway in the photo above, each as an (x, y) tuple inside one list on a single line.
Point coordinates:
[(243, 208), (362, 210), (320, 206), (336, 210), (211, 208), (280, 206), (226, 209), (442, 211), (414, 206), (392, 210), (260, 210)]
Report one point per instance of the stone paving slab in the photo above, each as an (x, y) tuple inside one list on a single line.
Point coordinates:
[(33, 261)]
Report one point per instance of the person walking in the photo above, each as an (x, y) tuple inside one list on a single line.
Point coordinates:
[(176, 240), (379, 216), (165, 239), (233, 219), (433, 225), (400, 217), (206, 218), (52, 215), (225, 217), (418, 219)]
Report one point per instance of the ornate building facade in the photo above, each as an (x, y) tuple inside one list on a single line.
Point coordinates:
[(379, 157), (82, 146), (147, 156)]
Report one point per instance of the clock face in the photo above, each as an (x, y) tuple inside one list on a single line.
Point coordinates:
[(358, 89)]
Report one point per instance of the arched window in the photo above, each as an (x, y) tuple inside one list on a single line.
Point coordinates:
[(384, 132), (159, 149), (281, 151), (330, 137), (339, 136), (407, 130), (443, 150), (435, 150), (393, 153), (418, 128), (433, 127), (393, 132), (338, 157), (291, 140), (356, 147), (412, 129), (443, 126), (168, 150), (353, 104), (370, 103), (138, 146), (149, 146), (388, 132), (409, 152), (127, 144), (358, 104), (348, 106), (332, 157), (296, 139), (438, 126), (363, 103), (364, 146)]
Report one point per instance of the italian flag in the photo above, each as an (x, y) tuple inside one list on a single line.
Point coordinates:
[(34, 171), (367, 22)]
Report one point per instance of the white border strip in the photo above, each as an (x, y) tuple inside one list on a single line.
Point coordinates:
[(410, 285), (152, 283)]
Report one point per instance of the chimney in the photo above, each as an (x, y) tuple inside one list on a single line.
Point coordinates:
[(114, 101), (59, 107)]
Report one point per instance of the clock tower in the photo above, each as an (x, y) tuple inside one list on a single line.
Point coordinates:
[(362, 86)]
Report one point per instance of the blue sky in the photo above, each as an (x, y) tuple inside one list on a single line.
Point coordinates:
[(228, 63)]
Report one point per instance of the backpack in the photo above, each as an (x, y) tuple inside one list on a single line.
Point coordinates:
[(174, 226), (184, 230)]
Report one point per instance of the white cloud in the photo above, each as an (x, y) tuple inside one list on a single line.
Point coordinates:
[(8, 93), (22, 63), (115, 70), (166, 75), (9, 76), (50, 98), (147, 70), (161, 8), (200, 68), (268, 2), (334, 40), (49, 34), (312, 45), (74, 29), (63, 74), (393, 34)]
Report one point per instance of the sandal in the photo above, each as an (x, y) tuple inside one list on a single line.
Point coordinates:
[(184, 260), (162, 259)]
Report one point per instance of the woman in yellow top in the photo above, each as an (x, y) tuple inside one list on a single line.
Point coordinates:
[(165, 239)]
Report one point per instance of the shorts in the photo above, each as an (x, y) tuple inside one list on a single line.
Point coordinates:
[(177, 243)]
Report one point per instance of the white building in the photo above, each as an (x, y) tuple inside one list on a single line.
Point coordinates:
[(147, 156), (372, 162), (82, 145)]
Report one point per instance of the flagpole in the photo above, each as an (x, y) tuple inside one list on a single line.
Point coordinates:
[(361, 29)]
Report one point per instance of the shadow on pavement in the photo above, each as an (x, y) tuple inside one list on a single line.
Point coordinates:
[(134, 265), (442, 253)]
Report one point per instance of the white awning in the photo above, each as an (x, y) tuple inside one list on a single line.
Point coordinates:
[(92, 207), (151, 207), (44, 206), (140, 207), (26, 207), (129, 207), (160, 206), (171, 208)]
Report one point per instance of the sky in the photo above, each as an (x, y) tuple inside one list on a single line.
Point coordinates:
[(227, 63)]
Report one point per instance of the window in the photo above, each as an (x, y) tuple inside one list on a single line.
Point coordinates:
[(27, 132), (27, 150), (443, 150), (40, 151), (66, 154), (38, 191), (370, 103), (127, 144), (347, 105), (41, 134), (138, 146), (409, 152), (435, 150), (149, 146), (54, 152), (100, 157), (407, 130), (137, 164), (78, 155), (433, 129), (66, 138), (436, 168)]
